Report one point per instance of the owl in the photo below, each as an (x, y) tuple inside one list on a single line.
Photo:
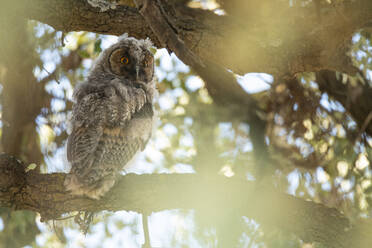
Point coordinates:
[(112, 116)]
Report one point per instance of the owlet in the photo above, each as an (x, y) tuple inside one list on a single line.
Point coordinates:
[(112, 116)]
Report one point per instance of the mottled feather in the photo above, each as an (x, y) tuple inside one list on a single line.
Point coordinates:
[(112, 118)]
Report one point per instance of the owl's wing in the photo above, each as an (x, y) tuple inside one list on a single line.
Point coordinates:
[(81, 145), (87, 130)]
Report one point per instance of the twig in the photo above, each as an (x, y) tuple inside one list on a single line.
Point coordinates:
[(146, 232), (66, 218), (51, 75), (59, 237), (63, 39), (364, 127)]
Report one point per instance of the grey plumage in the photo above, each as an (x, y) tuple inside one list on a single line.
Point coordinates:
[(111, 118)]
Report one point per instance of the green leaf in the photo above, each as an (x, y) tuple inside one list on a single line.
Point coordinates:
[(152, 50), (83, 54), (31, 167), (97, 46)]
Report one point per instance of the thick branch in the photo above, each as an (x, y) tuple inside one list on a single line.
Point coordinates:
[(272, 38), (151, 11), (311, 222)]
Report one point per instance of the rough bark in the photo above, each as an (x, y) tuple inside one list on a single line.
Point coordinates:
[(272, 37), (312, 222)]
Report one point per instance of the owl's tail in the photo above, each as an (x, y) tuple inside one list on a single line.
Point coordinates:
[(94, 191)]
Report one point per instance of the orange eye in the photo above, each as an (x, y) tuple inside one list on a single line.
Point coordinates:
[(124, 60), (146, 63)]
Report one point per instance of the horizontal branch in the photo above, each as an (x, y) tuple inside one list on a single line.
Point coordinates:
[(311, 222), (273, 38)]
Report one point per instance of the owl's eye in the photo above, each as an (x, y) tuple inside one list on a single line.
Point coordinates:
[(124, 60), (146, 63)]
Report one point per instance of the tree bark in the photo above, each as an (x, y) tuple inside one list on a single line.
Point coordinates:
[(311, 222), (279, 40)]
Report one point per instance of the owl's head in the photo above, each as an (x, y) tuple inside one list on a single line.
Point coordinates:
[(128, 59)]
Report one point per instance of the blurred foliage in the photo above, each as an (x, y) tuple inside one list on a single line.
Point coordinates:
[(310, 135)]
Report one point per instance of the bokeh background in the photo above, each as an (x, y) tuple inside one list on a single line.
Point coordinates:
[(317, 150)]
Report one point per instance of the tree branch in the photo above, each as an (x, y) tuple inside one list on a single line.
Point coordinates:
[(311, 222), (151, 11), (279, 40)]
